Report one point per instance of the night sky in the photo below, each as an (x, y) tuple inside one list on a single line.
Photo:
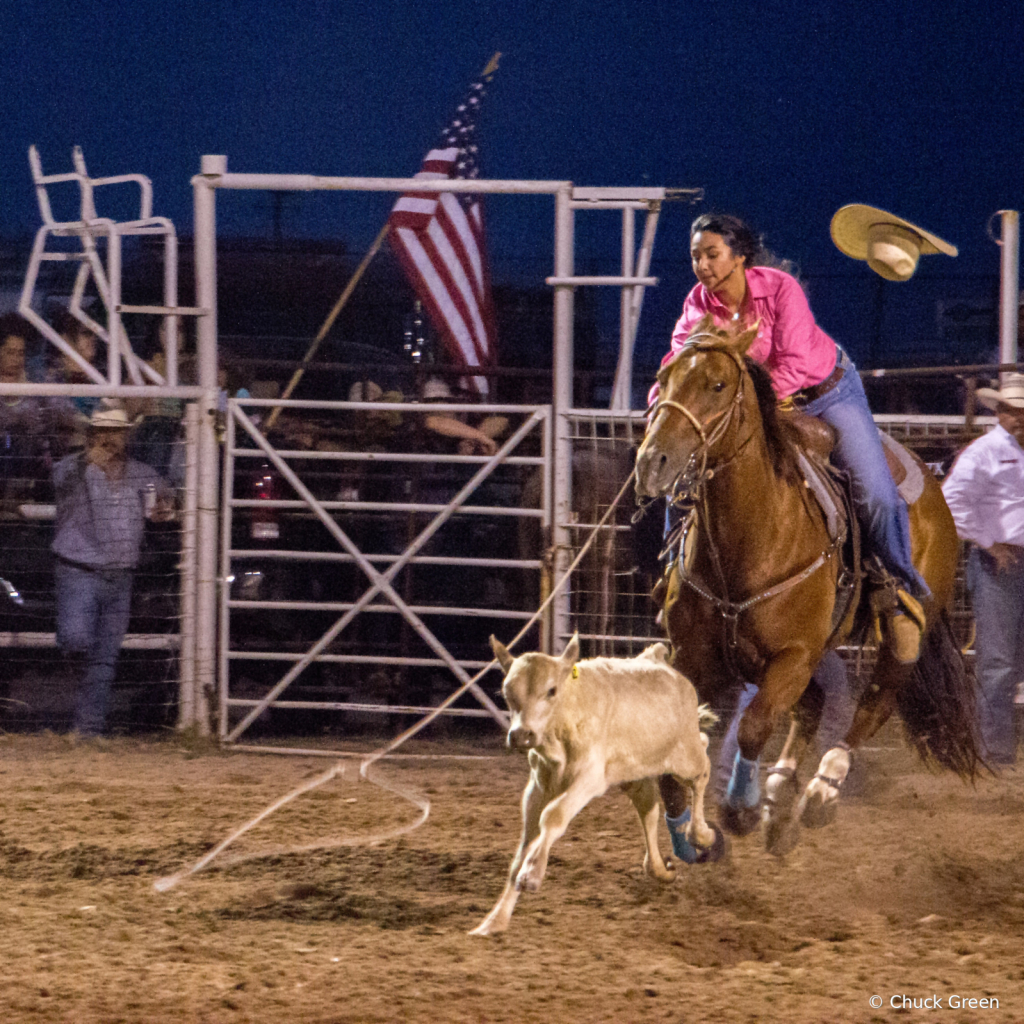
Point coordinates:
[(781, 111)]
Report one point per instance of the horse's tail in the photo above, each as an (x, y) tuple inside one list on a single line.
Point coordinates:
[(937, 704)]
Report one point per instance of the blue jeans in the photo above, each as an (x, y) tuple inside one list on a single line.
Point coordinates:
[(92, 618), (836, 715), (998, 600), (858, 450)]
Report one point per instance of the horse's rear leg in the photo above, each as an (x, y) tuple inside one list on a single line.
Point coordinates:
[(818, 805), (878, 701)]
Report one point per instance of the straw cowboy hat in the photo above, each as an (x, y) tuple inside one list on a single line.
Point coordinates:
[(890, 244), (1011, 393), (109, 418)]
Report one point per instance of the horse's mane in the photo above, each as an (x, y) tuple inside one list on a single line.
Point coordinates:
[(779, 434)]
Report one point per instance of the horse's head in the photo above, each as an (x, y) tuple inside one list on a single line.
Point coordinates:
[(701, 391)]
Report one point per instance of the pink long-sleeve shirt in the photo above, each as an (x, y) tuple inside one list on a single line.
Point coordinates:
[(796, 352)]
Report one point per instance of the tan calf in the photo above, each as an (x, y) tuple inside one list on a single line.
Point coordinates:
[(587, 726)]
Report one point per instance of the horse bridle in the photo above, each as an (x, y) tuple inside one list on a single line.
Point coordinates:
[(723, 416)]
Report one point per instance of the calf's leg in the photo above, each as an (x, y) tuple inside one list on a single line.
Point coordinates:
[(535, 798), (554, 820)]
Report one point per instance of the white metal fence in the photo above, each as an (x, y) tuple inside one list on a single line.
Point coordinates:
[(364, 569)]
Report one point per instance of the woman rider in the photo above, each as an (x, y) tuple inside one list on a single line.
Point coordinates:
[(806, 365)]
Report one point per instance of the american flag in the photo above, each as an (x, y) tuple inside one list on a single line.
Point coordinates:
[(439, 240)]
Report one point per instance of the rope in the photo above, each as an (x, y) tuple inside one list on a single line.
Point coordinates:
[(170, 881)]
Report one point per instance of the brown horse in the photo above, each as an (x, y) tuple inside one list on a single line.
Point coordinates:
[(756, 595)]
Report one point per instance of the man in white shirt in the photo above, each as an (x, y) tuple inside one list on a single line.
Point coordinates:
[(985, 493)]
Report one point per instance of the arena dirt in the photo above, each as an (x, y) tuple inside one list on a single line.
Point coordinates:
[(916, 890)]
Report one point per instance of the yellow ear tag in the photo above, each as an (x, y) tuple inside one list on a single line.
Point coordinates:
[(575, 671)]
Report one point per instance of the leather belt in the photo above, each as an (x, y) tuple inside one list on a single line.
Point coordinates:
[(807, 395)]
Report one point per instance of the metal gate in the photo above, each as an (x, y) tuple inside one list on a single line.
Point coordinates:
[(345, 563)]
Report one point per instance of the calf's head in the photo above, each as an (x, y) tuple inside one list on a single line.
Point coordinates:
[(533, 684)]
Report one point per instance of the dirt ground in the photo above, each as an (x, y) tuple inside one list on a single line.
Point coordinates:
[(917, 890)]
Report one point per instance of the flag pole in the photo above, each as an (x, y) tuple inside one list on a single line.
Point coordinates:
[(329, 322), (492, 66)]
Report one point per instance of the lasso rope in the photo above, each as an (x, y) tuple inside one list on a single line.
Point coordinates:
[(422, 803)]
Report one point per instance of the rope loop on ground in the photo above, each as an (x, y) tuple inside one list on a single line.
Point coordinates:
[(338, 769)]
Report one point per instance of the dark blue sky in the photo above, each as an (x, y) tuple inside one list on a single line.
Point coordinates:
[(782, 111)]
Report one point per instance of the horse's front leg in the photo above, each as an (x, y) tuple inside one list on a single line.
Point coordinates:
[(785, 678), (781, 788)]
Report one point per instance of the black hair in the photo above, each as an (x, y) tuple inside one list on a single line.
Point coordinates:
[(16, 324), (66, 323), (735, 233), (743, 241)]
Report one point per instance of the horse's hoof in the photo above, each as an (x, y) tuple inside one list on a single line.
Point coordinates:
[(781, 835), (781, 828), (739, 821), (716, 851), (817, 814)]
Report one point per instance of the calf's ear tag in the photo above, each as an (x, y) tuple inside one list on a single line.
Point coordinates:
[(575, 671)]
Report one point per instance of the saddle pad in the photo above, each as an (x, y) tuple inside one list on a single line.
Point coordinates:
[(906, 470), (813, 476)]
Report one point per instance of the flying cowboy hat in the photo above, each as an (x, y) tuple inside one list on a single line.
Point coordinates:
[(890, 244), (1010, 393)]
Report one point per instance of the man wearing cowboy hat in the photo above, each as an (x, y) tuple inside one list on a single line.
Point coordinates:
[(103, 501), (985, 493)]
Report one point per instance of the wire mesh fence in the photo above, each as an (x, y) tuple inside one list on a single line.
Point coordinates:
[(109, 526), (611, 604)]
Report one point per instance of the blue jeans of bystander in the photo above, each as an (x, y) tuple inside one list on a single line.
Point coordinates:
[(998, 600), (92, 618)]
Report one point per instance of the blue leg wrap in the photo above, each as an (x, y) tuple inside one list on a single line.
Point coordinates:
[(744, 789), (683, 850)]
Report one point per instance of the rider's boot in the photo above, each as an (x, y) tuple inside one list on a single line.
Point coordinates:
[(906, 624)]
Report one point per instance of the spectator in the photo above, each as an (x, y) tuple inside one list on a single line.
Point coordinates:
[(103, 500), (158, 423), (985, 493), (71, 415), (21, 417), (66, 370), (470, 440)]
